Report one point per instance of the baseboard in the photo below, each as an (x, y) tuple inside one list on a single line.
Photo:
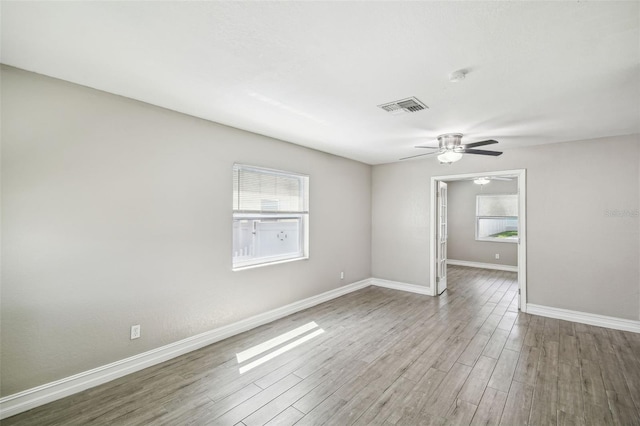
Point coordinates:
[(584, 318), (495, 266), (395, 285), (17, 403)]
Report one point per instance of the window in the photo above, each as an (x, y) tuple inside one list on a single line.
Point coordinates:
[(270, 216), (497, 218)]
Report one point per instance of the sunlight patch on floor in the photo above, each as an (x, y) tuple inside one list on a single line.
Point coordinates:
[(276, 341)]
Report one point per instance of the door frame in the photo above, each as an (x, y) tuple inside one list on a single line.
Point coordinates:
[(521, 174)]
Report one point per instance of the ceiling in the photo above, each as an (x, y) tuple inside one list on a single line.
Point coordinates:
[(313, 73)]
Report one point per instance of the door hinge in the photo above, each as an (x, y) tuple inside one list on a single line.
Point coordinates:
[(518, 291)]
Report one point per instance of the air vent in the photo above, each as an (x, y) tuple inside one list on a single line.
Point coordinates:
[(403, 106)]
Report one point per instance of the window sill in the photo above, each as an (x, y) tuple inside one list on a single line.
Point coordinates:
[(499, 240), (275, 262)]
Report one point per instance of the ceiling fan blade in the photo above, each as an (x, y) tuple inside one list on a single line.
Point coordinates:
[(481, 143), (481, 152), (420, 155), (500, 178), (428, 147)]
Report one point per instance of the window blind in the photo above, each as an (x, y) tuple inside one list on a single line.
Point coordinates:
[(257, 190), (503, 205)]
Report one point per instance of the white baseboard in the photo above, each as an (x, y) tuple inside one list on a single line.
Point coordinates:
[(17, 403), (395, 285), (584, 318), (495, 266)]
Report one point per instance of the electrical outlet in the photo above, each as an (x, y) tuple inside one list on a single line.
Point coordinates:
[(342, 275), (135, 331), (497, 255)]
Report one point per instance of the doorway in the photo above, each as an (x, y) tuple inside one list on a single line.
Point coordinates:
[(438, 233)]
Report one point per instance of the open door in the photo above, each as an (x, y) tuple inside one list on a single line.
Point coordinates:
[(441, 278)]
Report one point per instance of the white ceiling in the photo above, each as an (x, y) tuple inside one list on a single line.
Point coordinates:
[(312, 73)]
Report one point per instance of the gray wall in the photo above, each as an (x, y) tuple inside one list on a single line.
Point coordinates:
[(579, 257), (462, 244), (116, 213)]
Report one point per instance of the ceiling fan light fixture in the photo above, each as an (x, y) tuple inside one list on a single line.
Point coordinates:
[(449, 157), (481, 181)]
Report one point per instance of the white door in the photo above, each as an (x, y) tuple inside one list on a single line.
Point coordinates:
[(441, 261)]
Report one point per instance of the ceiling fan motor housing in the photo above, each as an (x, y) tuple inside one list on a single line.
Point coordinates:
[(450, 141)]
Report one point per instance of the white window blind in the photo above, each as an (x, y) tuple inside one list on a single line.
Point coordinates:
[(257, 190), (503, 205)]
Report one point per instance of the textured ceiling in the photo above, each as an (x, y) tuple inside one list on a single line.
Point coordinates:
[(312, 73)]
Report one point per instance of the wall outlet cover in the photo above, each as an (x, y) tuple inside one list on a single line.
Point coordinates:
[(135, 331)]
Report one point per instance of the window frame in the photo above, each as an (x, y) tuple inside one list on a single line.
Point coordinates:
[(512, 240), (301, 216)]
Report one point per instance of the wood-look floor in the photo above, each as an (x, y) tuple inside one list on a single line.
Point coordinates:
[(388, 357)]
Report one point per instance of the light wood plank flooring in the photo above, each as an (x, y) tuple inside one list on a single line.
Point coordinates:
[(387, 357)]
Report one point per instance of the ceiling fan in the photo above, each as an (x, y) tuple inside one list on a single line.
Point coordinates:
[(450, 148)]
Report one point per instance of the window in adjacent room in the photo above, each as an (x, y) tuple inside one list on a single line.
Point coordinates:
[(497, 217), (270, 216)]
